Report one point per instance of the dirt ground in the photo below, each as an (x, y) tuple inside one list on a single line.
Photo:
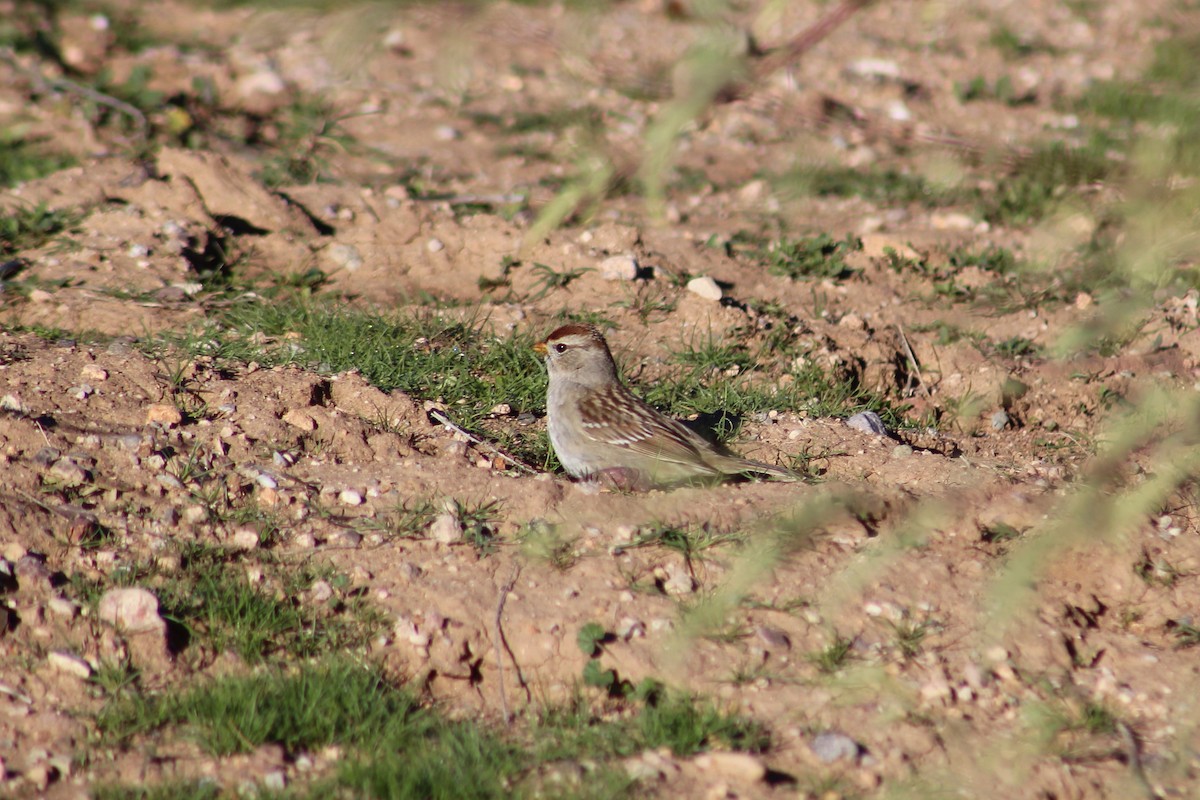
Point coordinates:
[(431, 97)]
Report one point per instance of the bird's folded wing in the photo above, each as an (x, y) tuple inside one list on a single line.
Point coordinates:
[(637, 427)]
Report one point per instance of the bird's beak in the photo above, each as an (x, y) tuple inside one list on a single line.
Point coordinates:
[(540, 348)]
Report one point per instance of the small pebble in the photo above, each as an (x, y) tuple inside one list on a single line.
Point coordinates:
[(163, 414), (350, 497), (69, 664), (131, 609), (245, 538), (830, 747), (1000, 420), (867, 422), (705, 287), (739, 766), (773, 637), (435, 246), (345, 256), (619, 268), (446, 529)]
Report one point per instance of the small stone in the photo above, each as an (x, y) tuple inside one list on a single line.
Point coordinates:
[(345, 256), (13, 403), (878, 245), (1000, 420), (446, 529), (168, 481), (31, 572), (705, 287), (619, 268), (69, 665), (874, 68), (260, 82), (163, 414), (274, 781), (62, 607), (867, 422), (305, 541), (301, 419), (753, 192), (320, 592), (350, 497), (852, 322), (82, 391), (773, 637), (435, 245), (195, 515), (501, 410), (951, 221), (67, 472), (349, 539), (1083, 301), (245, 538), (738, 766), (131, 610), (446, 133), (678, 580), (996, 654), (40, 296), (902, 451), (831, 746), (266, 481)]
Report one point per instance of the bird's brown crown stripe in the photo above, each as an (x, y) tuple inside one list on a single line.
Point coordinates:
[(574, 330)]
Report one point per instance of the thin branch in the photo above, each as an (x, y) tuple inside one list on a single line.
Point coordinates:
[(501, 643), (42, 83), (912, 358), (516, 462), (809, 38)]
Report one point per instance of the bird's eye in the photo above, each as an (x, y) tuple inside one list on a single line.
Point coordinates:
[(560, 348)]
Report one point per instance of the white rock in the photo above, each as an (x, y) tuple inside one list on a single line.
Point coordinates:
[(320, 592), (261, 82), (874, 68), (867, 422), (93, 373), (62, 607), (952, 221), (678, 581), (739, 766), (831, 746), (705, 287), (350, 497), (245, 538), (435, 246), (446, 529), (345, 255), (13, 403), (619, 268), (69, 665), (131, 609)]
